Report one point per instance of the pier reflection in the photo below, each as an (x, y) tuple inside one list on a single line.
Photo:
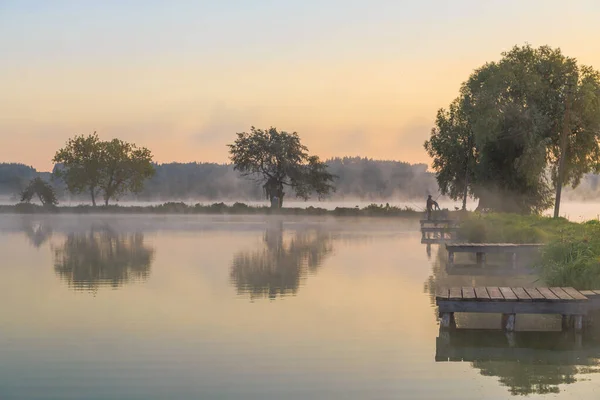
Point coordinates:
[(279, 268), (102, 257), (525, 362)]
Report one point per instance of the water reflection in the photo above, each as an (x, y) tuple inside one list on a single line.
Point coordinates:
[(37, 232), (102, 257), (525, 362), (279, 268), (528, 361)]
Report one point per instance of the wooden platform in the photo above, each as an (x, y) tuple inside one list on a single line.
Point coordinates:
[(481, 249), (572, 304), (439, 232)]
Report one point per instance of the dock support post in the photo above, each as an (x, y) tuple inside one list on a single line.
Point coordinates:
[(451, 257), (514, 260), (510, 339), (578, 323), (567, 322), (508, 322), (480, 258), (448, 321)]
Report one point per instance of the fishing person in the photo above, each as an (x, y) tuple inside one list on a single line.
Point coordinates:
[(430, 205)]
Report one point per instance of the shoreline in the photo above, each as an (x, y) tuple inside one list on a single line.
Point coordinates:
[(178, 208)]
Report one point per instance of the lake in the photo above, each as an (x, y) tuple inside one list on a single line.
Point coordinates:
[(231, 307)]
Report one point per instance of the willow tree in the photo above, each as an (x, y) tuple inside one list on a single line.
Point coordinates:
[(277, 159), (518, 111)]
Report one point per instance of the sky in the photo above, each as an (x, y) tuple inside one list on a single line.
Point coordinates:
[(182, 77)]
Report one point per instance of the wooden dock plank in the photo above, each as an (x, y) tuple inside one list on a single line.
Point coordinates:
[(534, 294), (442, 293), (548, 295), (495, 294), (482, 294), (455, 294), (597, 291), (508, 294), (561, 294), (521, 294), (574, 293), (587, 293), (468, 293)]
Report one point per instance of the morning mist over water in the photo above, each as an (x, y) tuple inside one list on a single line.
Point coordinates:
[(254, 306)]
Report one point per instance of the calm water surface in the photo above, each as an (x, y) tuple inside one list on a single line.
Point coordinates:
[(260, 308)]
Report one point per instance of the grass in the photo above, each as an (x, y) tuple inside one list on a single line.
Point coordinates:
[(373, 210), (571, 256)]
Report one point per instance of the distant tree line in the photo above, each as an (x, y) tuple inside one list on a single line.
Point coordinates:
[(357, 178)]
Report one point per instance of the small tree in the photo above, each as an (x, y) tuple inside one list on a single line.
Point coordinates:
[(107, 168), (81, 165), (278, 159), (42, 189)]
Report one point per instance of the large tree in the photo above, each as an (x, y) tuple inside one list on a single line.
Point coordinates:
[(517, 110), (81, 165), (110, 168), (278, 159)]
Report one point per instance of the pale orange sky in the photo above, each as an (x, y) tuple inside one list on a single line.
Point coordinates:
[(352, 78)]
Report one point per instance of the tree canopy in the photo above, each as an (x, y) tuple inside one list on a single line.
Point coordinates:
[(42, 189), (109, 168), (499, 141), (279, 159)]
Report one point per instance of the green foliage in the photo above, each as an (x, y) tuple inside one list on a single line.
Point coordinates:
[(124, 168), (279, 159), (111, 168), (40, 188), (571, 256), (508, 119), (452, 149), (81, 165)]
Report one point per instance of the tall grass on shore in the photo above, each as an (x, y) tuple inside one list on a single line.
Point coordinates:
[(571, 256)]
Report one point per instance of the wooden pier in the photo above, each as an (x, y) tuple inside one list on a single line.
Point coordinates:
[(438, 229), (481, 249), (572, 304)]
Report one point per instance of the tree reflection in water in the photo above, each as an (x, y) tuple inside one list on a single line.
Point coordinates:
[(280, 267), (102, 257), (38, 233), (525, 362)]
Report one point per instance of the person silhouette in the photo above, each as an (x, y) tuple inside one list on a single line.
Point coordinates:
[(430, 205)]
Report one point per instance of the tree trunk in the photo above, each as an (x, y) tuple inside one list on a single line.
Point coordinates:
[(106, 201), (280, 195), (563, 155), (466, 192), (93, 193)]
